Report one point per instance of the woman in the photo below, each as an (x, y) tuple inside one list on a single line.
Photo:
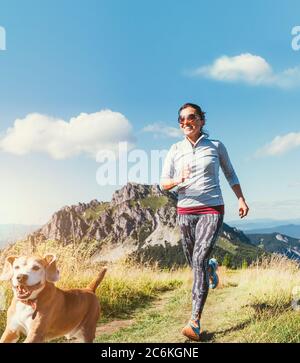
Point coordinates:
[(193, 166)]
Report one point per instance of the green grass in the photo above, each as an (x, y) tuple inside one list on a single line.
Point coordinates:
[(227, 246), (251, 305), (282, 327), (154, 202), (155, 324)]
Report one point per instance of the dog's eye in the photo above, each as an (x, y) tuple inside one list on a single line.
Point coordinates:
[(17, 267), (35, 268)]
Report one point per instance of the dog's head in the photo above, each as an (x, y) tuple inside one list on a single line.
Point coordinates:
[(28, 274)]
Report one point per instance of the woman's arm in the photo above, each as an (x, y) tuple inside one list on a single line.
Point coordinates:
[(168, 184), (243, 207), (232, 180)]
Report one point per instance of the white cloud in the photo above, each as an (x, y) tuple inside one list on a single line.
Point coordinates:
[(287, 203), (294, 184), (250, 69), (84, 134), (280, 145), (159, 130), (275, 209)]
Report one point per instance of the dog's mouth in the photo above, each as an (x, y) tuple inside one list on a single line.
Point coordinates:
[(24, 291)]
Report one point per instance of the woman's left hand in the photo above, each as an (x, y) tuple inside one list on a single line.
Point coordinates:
[(243, 208)]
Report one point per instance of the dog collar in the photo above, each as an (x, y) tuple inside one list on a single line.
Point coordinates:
[(32, 303)]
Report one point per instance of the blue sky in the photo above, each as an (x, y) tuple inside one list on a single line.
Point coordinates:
[(141, 60)]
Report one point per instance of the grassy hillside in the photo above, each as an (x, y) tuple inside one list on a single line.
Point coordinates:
[(148, 304), (229, 253), (233, 253)]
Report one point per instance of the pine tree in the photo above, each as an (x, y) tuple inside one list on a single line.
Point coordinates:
[(226, 261), (244, 264)]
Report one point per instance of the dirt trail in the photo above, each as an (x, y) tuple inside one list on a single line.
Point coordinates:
[(218, 323), (113, 326), (116, 325)]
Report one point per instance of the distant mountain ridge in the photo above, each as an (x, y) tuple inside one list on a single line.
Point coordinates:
[(292, 230), (277, 243), (268, 224), (10, 233), (265, 222)]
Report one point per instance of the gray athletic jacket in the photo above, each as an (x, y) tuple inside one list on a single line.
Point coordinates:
[(204, 158)]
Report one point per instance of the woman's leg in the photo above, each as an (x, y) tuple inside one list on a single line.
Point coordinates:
[(187, 224), (206, 234)]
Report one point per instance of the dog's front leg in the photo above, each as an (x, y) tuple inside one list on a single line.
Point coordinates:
[(35, 335), (9, 336), (37, 330)]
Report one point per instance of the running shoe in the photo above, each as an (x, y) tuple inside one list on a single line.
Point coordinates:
[(192, 330)]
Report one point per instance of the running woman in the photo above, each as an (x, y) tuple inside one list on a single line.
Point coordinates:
[(192, 165)]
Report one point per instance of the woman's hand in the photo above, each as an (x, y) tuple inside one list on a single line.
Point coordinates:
[(243, 208), (185, 173)]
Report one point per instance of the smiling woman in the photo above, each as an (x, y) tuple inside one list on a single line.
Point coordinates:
[(2, 38), (193, 166)]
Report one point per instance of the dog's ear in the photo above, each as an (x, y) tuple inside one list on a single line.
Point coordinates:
[(7, 272), (52, 273)]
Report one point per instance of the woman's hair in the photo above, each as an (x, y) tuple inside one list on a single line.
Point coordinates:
[(198, 111)]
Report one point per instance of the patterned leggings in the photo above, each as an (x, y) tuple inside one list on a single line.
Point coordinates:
[(199, 234)]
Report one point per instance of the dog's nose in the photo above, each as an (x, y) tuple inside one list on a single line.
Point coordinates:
[(22, 278)]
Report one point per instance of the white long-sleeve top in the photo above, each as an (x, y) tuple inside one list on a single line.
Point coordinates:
[(204, 158)]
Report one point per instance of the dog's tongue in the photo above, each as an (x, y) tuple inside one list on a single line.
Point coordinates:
[(22, 289)]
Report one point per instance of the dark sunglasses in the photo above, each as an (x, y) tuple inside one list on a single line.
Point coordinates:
[(190, 117)]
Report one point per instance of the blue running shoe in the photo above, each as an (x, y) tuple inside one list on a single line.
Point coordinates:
[(213, 277), (192, 330)]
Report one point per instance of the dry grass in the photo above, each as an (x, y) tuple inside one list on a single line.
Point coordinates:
[(270, 281)]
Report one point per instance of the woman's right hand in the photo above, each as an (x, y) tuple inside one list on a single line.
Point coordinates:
[(185, 173), (168, 184)]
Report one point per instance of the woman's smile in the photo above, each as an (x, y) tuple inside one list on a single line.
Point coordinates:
[(190, 123)]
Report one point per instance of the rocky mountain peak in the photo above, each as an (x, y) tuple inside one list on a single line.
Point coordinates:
[(135, 191), (139, 218)]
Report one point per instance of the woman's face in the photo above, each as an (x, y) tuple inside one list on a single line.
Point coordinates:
[(190, 122)]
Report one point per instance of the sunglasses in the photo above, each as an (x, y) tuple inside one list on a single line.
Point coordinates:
[(191, 118)]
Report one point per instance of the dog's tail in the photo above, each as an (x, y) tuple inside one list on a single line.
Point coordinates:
[(94, 284)]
